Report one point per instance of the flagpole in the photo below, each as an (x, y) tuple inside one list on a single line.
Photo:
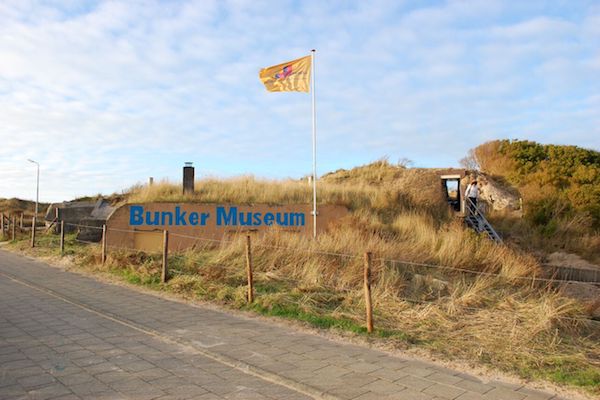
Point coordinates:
[(314, 143)]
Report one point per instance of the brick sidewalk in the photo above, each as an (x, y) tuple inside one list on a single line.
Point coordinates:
[(305, 363)]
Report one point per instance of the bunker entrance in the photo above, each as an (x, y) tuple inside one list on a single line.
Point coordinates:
[(451, 189)]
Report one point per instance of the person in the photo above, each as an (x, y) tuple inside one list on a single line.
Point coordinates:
[(472, 194)]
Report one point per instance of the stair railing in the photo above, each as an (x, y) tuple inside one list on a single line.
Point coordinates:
[(482, 222)]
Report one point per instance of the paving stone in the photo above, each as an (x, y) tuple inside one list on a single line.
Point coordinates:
[(75, 379), (444, 391), (36, 380), (389, 374), (137, 366), (67, 397), (363, 367), (416, 370), (99, 357), (470, 396), (152, 374), (49, 392), (113, 376), (410, 394), (347, 392), (502, 393), (533, 394), (443, 377), (191, 391), (89, 388), (384, 387), (474, 386)]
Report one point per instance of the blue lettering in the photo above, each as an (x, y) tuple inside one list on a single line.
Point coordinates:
[(269, 217), (163, 217), (203, 218), (180, 216), (193, 218), (248, 220), (256, 219), (280, 221), (152, 221), (224, 218), (136, 215), (297, 219)]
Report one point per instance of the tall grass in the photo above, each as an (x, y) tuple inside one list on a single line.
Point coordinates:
[(501, 320)]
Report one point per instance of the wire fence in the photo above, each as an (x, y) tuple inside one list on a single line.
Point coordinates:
[(103, 232)]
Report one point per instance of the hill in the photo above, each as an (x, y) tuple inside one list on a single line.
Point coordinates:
[(18, 206), (436, 284), (560, 187)]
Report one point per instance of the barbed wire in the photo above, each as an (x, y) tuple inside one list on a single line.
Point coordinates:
[(349, 290), (83, 226), (347, 255), (484, 273)]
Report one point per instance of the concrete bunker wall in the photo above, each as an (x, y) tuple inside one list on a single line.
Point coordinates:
[(126, 230)]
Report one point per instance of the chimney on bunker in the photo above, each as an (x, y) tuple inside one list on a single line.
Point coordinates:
[(188, 178)]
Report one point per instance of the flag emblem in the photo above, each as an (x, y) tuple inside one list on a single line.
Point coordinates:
[(287, 71), (292, 76)]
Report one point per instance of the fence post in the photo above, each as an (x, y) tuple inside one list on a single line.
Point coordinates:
[(369, 305), (62, 238), (13, 228), (33, 231), (2, 224), (21, 222), (103, 257), (249, 270), (165, 258)]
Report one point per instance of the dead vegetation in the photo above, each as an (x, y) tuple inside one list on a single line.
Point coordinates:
[(501, 318)]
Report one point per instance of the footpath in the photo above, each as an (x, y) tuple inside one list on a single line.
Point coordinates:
[(306, 365)]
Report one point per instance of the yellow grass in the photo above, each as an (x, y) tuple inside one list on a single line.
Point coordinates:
[(504, 320)]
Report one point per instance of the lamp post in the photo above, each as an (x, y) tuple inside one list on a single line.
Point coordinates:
[(37, 188)]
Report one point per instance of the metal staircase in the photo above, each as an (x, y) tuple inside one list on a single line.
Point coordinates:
[(475, 220)]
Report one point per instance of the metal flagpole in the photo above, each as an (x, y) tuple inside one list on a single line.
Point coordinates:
[(314, 143)]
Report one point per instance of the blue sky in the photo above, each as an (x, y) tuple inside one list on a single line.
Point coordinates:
[(106, 94)]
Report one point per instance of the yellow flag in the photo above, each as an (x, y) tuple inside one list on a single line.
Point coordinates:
[(292, 76)]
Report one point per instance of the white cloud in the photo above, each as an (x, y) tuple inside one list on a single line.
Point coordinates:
[(105, 95)]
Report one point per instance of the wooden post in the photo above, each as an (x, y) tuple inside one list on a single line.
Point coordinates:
[(249, 269), (2, 224), (33, 231), (62, 238), (165, 259), (21, 222), (13, 228), (368, 303), (103, 244)]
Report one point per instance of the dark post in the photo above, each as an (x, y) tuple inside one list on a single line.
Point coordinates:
[(103, 244), (165, 259), (2, 224), (249, 270), (368, 304), (188, 178), (33, 231), (62, 238), (13, 228)]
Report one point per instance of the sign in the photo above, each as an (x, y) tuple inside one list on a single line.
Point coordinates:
[(223, 216), (140, 226)]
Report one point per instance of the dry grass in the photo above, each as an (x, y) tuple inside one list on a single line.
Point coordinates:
[(503, 321), (17, 207)]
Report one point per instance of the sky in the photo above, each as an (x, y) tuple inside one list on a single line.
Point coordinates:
[(105, 94)]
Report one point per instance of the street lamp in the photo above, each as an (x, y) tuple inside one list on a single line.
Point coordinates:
[(37, 188)]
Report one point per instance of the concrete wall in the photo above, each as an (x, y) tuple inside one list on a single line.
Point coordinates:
[(122, 233)]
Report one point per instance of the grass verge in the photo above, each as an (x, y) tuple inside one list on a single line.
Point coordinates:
[(527, 330)]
